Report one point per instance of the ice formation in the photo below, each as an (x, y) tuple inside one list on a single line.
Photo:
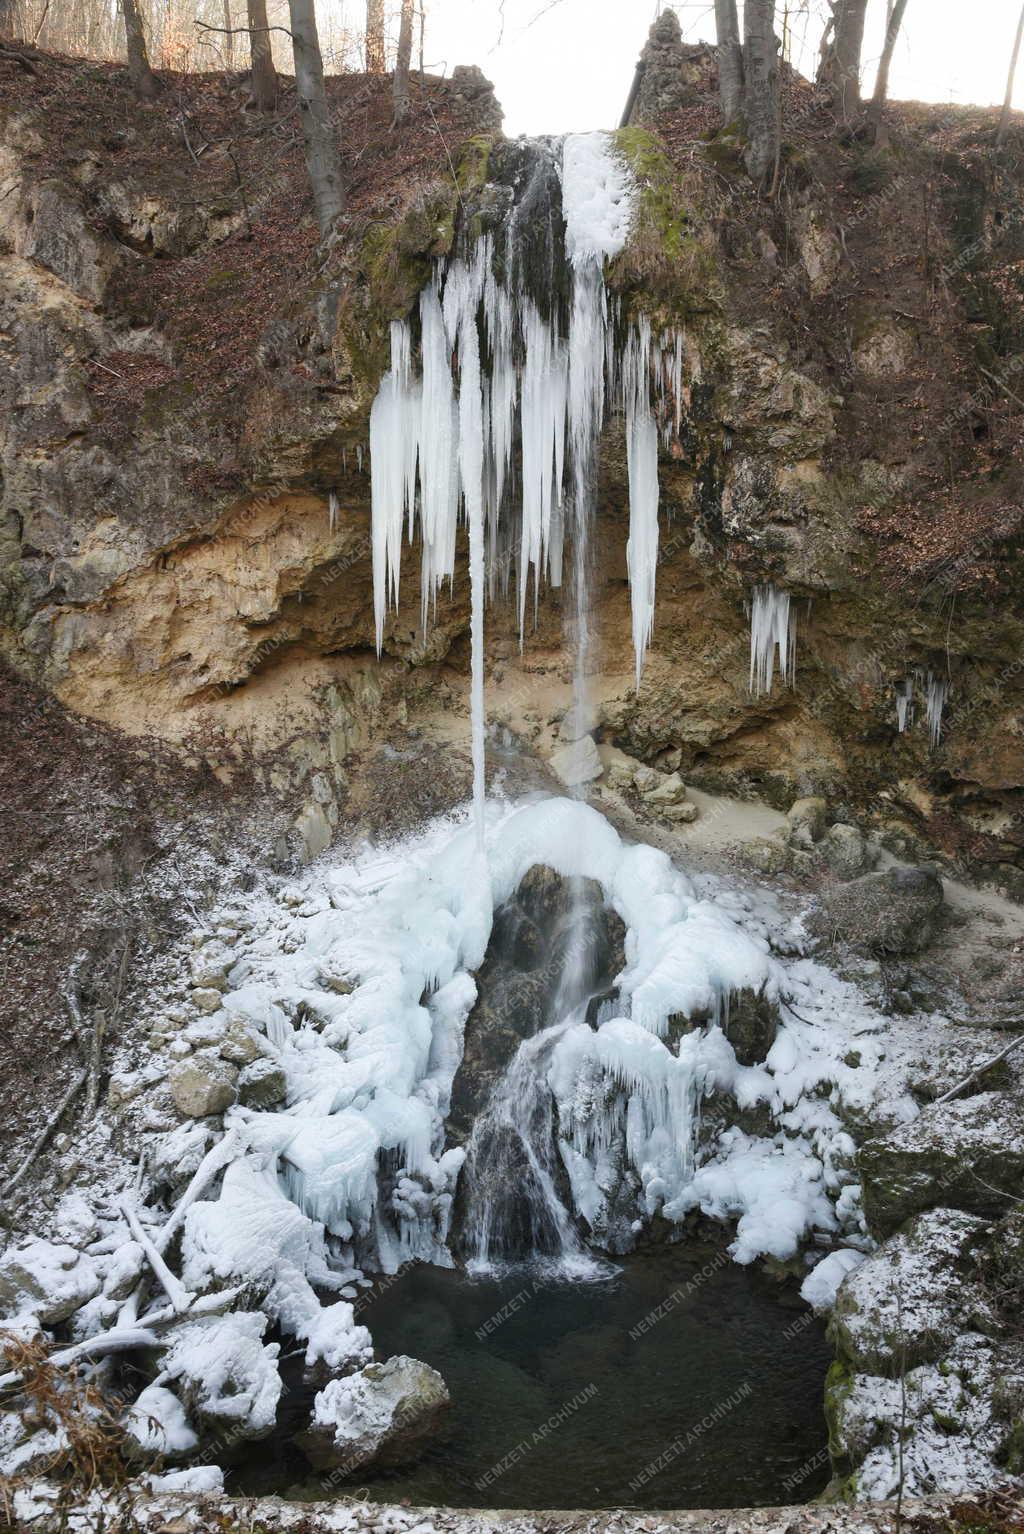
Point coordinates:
[(936, 693), (904, 704), (772, 628), (362, 995), (441, 435)]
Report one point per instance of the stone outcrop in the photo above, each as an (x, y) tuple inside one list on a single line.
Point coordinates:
[(381, 1416), (898, 911), (967, 1154)]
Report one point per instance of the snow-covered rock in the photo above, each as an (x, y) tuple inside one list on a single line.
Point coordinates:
[(158, 1425), (966, 1154), (227, 1376), (202, 1085), (50, 1280), (909, 1301), (382, 1416), (822, 1283)]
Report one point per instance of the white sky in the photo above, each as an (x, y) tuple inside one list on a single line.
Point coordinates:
[(565, 65)]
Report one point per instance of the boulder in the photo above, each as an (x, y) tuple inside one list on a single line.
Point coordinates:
[(967, 1154), (577, 763), (947, 1427), (846, 852), (910, 1300), (47, 1279), (205, 998), (202, 1085), (262, 1084), (807, 819), (765, 854), (381, 1416), (751, 1025), (897, 911), (239, 1043)]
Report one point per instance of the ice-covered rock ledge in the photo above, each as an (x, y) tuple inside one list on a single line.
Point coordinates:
[(193, 1513)]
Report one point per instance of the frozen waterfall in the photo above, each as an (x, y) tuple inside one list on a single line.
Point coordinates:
[(493, 369)]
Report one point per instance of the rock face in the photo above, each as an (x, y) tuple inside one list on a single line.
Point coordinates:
[(898, 911), (381, 1416), (907, 1304), (967, 1154)]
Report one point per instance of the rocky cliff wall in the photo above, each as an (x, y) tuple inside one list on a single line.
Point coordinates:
[(186, 386)]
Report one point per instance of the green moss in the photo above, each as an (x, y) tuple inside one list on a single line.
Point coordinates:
[(838, 1385), (474, 160), (1013, 1448), (871, 173), (668, 266)]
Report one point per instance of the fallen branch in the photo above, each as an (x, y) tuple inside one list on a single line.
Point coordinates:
[(978, 1071), (120, 1340), (44, 1134), (172, 1286)]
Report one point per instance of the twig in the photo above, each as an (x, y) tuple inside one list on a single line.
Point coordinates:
[(978, 1071), (103, 365)]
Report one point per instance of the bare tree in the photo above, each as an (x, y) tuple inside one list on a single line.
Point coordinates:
[(144, 81), (761, 88), (263, 85), (730, 60), (376, 53), (840, 63), (322, 160), (402, 61), (1004, 116), (881, 90), (8, 18), (229, 37)]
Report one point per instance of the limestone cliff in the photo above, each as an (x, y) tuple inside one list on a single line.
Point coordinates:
[(186, 386)]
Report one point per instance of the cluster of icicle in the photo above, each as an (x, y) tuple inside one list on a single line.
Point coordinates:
[(772, 629), (441, 437), (936, 692)]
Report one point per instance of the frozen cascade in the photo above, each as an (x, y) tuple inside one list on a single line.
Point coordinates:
[(441, 438), (772, 627), (512, 1171)]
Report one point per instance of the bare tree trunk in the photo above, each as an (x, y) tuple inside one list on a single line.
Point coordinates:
[(404, 58), (144, 81), (730, 60), (881, 90), (840, 64), (376, 57), (761, 88), (229, 38), (8, 19), (1004, 116), (322, 160), (263, 88)]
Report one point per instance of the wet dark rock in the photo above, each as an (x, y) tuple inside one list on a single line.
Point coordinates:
[(532, 945)]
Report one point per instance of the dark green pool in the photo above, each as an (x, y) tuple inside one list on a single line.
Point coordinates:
[(681, 1380)]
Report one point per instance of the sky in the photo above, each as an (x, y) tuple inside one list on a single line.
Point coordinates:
[(563, 66)]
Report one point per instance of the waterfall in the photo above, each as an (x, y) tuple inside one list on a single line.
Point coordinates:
[(512, 1170), (441, 437)]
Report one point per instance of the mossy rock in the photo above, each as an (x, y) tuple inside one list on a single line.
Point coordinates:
[(669, 265)]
